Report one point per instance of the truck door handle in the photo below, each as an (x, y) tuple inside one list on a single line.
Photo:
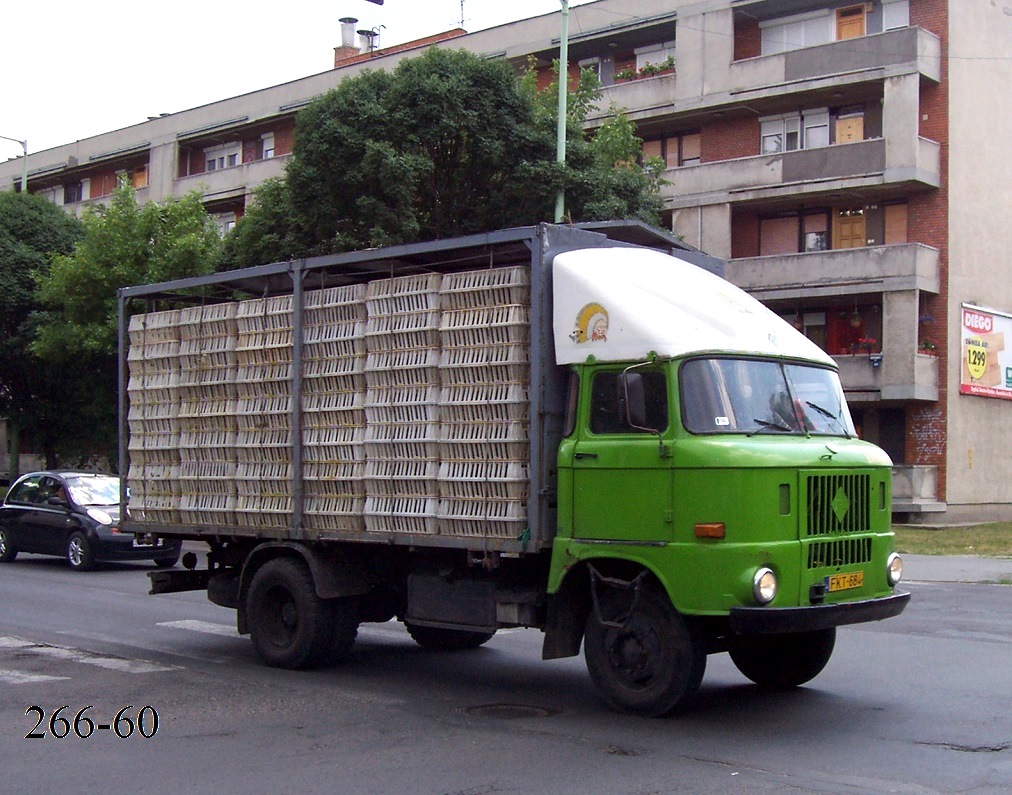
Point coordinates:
[(584, 455)]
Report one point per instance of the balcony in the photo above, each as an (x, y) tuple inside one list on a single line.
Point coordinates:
[(901, 374), (235, 181), (861, 164), (642, 97), (840, 61), (850, 271)]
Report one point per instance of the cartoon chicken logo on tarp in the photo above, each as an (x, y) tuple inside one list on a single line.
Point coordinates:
[(591, 324)]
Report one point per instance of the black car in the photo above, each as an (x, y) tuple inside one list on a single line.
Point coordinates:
[(74, 515)]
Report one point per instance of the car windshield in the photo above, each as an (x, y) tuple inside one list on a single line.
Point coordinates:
[(725, 395), (94, 489)]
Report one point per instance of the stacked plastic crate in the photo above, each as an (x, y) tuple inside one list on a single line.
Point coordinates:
[(264, 412), (484, 406), (333, 416), (153, 416), (401, 404), (207, 414)]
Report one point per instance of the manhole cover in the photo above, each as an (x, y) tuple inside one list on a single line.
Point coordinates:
[(510, 711)]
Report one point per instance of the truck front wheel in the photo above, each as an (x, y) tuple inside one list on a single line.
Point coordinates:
[(290, 625), (439, 639), (780, 662), (648, 664)]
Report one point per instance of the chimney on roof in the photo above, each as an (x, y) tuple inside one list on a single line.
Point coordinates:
[(348, 48)]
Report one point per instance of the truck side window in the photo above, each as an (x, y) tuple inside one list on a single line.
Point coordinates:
[(607, 403)]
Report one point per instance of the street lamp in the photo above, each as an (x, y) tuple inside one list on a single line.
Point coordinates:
[(560, 145), (24, 162)]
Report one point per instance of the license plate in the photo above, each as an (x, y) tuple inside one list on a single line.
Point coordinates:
[(844, 582), (142, 541)]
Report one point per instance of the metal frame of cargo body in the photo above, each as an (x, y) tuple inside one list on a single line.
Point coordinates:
[(534, 246)]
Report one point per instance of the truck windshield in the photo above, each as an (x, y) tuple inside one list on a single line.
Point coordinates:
[(726, 395)]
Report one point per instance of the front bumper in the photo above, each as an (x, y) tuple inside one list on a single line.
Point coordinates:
[(779, 620)]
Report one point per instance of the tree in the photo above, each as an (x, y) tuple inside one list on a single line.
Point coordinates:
[(123, 244), (447, 144), (32, 390)]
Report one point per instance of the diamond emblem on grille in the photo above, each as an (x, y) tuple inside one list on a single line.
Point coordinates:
[(840, 504)]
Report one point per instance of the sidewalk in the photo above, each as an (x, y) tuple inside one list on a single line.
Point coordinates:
[(950, 568)]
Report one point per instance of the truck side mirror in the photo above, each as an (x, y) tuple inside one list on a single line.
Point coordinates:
[(633, 397)]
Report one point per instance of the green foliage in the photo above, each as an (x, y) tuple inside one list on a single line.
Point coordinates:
[(123, 245), (33, 391), (447, 144)]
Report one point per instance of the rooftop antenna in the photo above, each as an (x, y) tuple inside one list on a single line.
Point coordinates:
[(461, 13)]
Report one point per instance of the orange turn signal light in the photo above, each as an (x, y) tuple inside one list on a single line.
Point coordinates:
[(710, 530)]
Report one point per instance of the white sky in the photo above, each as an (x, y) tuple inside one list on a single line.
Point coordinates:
[(70, 69)]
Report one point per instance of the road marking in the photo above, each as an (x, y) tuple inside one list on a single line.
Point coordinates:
[(21, 678), (226, 630), (121, 664)]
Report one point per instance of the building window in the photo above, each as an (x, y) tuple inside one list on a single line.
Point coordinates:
[(795, 32), (791, 131), (139, 177), (73, 192), (895, 14), (655, 54), (268, 145), (224, 156), (675, 150), (593, 64)]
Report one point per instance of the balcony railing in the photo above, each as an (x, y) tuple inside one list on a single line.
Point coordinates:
[(875, 269), (897, 373), (915, 489), (237, 179)]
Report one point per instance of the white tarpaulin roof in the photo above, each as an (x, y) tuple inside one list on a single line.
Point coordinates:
[(621, 304)]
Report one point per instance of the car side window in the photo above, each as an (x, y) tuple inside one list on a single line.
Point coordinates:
[(27, 492)]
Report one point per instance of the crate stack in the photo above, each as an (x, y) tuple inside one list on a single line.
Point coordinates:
[(207, 414), (402, 404), (484, 406), (333, 416), (264, 413), (153, 416)]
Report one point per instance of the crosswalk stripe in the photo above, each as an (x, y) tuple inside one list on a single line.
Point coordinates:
[(206, 627), (63, 653), (22, 678)]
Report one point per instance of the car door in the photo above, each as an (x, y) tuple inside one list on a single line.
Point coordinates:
[(48, 524), (622, 483), (17, 510)]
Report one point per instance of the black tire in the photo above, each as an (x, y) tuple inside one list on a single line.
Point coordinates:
[(167, 562), (781, 662), (346, 618), (440, 639), (650, 666), (290, 625), (7, 550), (80, 554)]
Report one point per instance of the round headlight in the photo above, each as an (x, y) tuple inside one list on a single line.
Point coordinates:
[(99, 516), (764, 586), (894, 569)]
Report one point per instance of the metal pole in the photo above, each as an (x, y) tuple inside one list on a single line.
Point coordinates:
[(24, 162), (560, 156)]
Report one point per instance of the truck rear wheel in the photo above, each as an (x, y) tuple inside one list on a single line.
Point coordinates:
[(652, 662), (290, 625), (439, 639), (780, 662)]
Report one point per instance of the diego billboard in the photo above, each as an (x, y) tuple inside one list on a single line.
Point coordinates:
[(986, 364)]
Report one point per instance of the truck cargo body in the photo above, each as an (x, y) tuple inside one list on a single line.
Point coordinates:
[(553, 427)]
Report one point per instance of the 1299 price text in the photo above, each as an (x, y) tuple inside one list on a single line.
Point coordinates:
[(144, 722)]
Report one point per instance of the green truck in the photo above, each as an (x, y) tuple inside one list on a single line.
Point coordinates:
[(584, 430)]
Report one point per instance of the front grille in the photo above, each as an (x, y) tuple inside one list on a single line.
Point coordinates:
[(837, 503), (845, 552)]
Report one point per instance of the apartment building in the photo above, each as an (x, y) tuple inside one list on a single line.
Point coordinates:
[(844, 157)]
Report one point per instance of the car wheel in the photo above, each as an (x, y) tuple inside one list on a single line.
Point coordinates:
[(167, 562), (80, 554), (290, 625), (647, 661), (7, 550), (439, 639)]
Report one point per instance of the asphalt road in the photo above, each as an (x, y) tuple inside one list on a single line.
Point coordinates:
[(920, 703)]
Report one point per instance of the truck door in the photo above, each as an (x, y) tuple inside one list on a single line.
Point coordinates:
[(621, 482)]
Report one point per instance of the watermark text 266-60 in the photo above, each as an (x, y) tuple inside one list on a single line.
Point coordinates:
[(143, 722)]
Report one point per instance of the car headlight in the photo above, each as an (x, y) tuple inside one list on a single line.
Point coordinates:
[(894, 569), (764, 586), (99, 516)]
